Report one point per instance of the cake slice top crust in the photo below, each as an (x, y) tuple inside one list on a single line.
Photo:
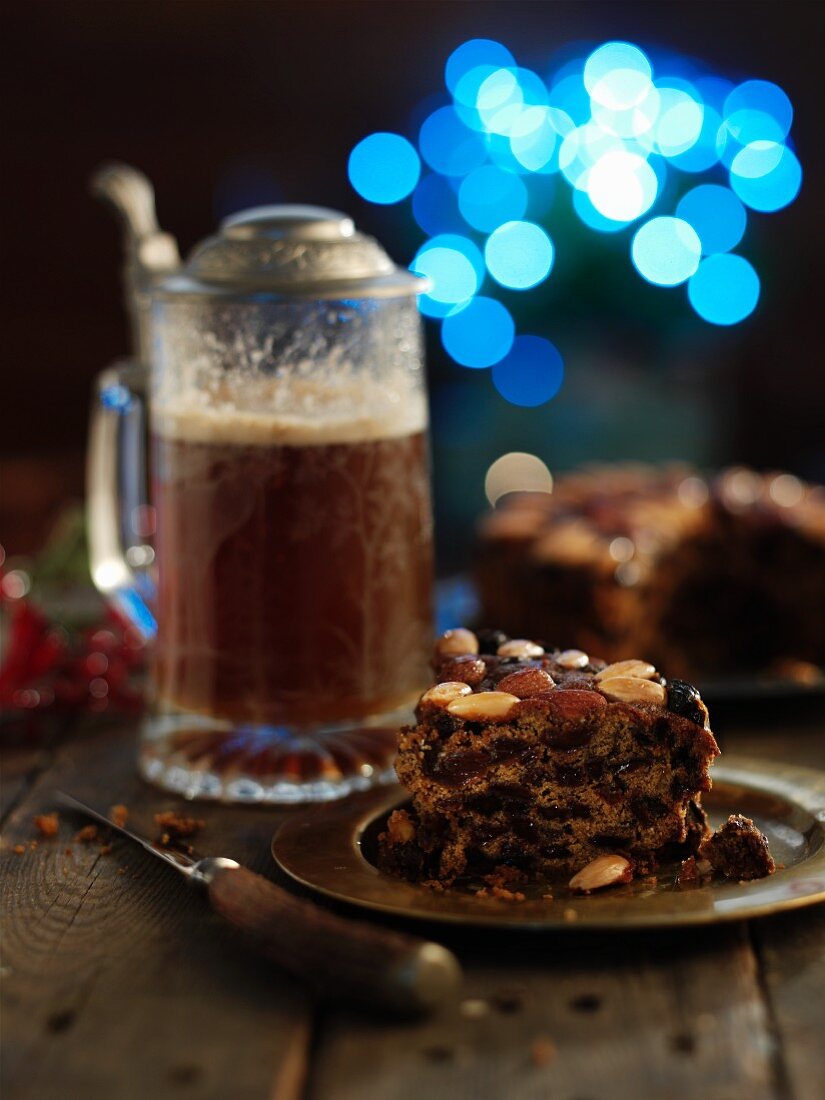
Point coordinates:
[(486, 677)]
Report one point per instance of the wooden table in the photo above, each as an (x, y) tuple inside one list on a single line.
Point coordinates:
[(118, 983)]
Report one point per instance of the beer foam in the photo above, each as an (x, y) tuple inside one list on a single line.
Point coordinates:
[(343, 422)]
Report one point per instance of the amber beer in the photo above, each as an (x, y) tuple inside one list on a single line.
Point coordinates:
[(294, 567)]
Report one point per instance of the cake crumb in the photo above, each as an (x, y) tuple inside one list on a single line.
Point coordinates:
[(46, 824), (119, 814), (19, 849), (105, 849), (68, 852), (505, 876), (500, 893), (543, 1051), (570, 915), (738, 850), (87, 834), (174, 826)]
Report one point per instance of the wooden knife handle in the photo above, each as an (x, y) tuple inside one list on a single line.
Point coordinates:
[(343, 959)]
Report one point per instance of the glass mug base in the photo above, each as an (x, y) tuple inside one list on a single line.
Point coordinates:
[(206, 758)]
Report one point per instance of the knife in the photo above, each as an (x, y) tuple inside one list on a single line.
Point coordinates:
[(342, 959)]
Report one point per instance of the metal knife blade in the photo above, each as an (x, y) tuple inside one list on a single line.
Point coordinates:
[(179, 860)]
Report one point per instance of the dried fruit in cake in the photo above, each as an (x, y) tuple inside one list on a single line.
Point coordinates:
[(549, 762)]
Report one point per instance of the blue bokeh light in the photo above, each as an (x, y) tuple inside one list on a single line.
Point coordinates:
[(570, 96), (617, 75), (617, 133), (453, 277), (534, 138), (766, 176), (716, 214), (448, 270), (679, 123), (435, 206), (384, 168), (472, 54), (591, 216), (761, 95), (724, 290), (531, 373), (746, 125), (490, 196), (714, 90), (448, 146), (708, 147), (622, 186), (519, 254), (479, 334), (666, 251)]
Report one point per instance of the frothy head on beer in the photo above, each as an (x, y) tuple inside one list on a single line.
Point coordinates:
[(302, 412)]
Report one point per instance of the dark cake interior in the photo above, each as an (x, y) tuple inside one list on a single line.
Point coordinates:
[(543, 760)]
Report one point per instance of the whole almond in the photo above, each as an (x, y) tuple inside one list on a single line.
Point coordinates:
[(600, 872), (520, 647), (484, 706), (442, 694), (573, 658), (466, 669), (573, 703), (527, 682), (627, 689), (640, 670), (454, 643)]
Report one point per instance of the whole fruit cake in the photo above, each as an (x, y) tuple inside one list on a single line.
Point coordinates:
[(548, 761), (706, 577)]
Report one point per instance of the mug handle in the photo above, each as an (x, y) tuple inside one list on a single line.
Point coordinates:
[(119, 518)]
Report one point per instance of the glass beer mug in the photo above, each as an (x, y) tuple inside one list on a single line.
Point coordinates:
[(287, 582)]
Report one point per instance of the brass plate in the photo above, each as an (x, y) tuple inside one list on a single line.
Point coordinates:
[(328, 850)]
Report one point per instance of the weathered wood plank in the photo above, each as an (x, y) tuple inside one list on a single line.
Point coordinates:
[(19, 768), (791, 950), (117, 980), (609, 1017)]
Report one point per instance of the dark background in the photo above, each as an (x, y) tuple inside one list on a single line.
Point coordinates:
[(231, 102)]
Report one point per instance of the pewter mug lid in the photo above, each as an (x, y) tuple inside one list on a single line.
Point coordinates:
[(290, 251)]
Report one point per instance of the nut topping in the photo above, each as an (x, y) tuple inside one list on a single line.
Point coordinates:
[(484, 706), (520, 647), (573, 658), (442, 694), (455, 643), (527, 682), (627, 689), (600, 872), (466, 669), (639, 670)]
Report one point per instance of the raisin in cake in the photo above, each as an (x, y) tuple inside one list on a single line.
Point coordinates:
[(705, 577), (545, 760)]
